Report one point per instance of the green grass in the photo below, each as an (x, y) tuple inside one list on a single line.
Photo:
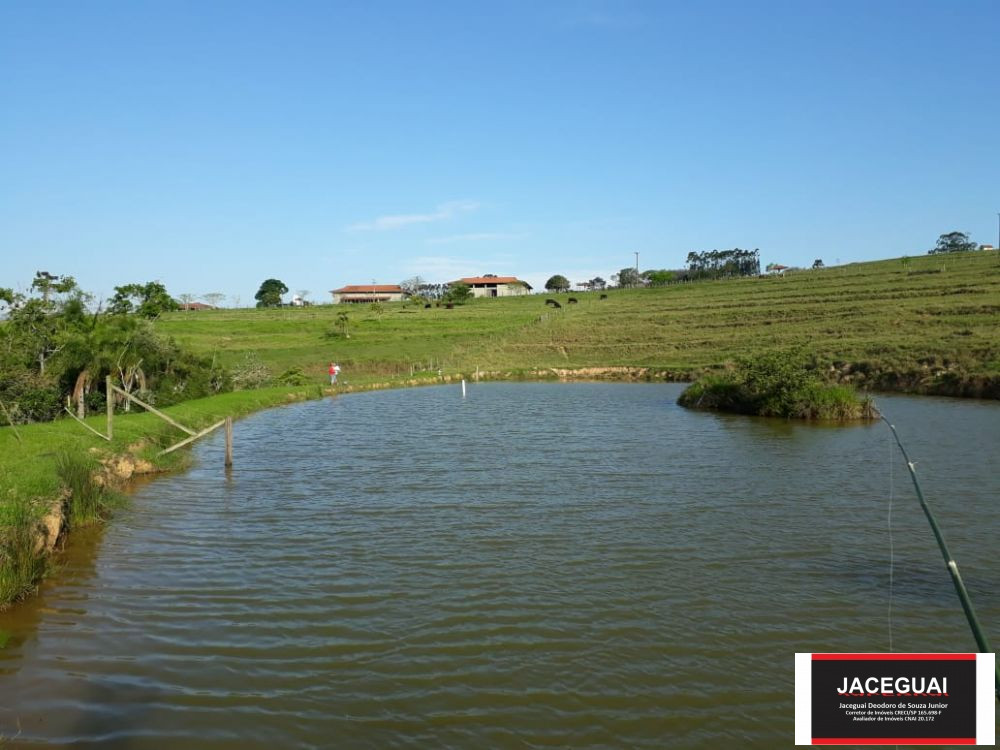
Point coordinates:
[(926, 325), (379, 345)]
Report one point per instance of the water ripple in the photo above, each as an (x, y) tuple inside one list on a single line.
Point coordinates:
[(538, 565)]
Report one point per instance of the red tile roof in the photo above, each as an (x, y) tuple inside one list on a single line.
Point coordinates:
[(368, 289), (487, 280)]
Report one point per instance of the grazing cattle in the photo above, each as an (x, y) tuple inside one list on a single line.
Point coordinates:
[(552, 302), (427, 306), (571, 301), (604, 296), (449, 305)]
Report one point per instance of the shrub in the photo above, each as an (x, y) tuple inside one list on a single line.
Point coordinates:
[(777, 384), (29, 397), (188, 377), (251, 373), (293, 376)]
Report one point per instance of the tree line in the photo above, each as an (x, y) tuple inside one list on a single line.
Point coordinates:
[(54, 344), (721, 264)]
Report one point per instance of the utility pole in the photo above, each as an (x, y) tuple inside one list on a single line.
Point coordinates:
[(998, 230)]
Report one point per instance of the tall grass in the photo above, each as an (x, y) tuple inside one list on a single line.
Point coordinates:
[(88, 501), (20, 567), (21, 562)]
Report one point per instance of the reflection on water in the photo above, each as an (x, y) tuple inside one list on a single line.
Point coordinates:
[(581, 565)]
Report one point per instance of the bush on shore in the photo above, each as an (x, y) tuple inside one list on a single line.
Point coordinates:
[(777, 384)]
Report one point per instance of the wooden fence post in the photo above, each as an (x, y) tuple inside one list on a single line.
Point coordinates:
[(229, 442), (111, 406)]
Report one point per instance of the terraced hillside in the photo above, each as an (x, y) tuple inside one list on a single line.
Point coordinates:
[(927, 324)]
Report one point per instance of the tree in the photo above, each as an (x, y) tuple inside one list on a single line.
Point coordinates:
[(9, 298), (47, 284), (458, 293), (953, 242), (717, 264), (660, 277), (186, 300), (214, 298), (626, 278), (146, 300), (432, 291), (818, 263), (269, 294), (343, 322), (596, 284), (557, 283), (38, 328), (412, 286)]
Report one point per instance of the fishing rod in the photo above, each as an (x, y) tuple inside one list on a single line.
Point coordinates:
[(949, 561)]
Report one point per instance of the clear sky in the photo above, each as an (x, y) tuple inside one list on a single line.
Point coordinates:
[(212, 145)]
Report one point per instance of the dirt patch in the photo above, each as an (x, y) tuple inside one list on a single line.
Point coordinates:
[(50, 528)]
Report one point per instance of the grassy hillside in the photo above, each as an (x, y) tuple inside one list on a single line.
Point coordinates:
[(925, 324), (379, 344)]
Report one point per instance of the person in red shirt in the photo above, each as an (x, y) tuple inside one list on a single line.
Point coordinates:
[(334, 371)]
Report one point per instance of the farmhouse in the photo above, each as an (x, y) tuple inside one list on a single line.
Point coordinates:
[(491, 285), (195, 306), (360, 293)]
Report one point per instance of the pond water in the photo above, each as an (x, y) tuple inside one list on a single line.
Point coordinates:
[(536, 565)]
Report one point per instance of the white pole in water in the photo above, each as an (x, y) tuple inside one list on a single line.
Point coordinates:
[(463, 387)]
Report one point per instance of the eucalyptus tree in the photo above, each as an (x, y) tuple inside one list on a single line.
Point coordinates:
[(953, 242)]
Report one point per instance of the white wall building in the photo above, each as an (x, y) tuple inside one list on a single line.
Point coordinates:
[(361, 293), (495, 286)]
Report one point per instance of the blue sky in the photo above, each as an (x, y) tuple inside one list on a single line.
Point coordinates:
[(212, 145)]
